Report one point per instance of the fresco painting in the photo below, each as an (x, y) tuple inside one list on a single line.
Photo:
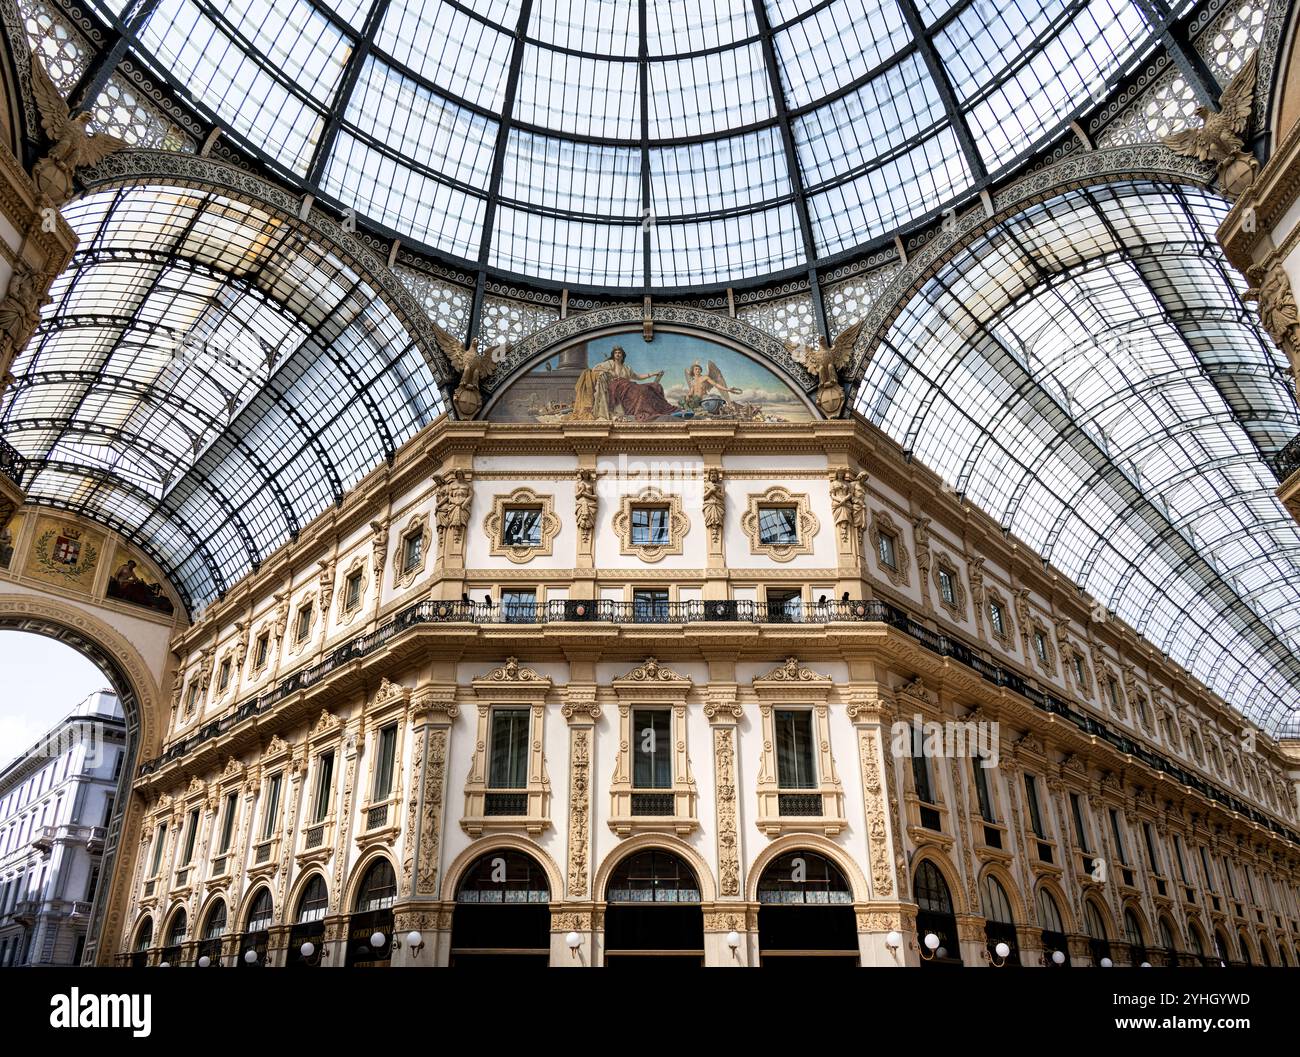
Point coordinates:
[(623, 378)]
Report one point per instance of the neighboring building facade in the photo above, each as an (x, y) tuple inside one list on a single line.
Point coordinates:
[(56, 801), (565, 686)]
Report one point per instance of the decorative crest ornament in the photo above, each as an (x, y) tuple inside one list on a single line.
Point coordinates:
[(1219, 137), (825, 360), (793, 671), (512, 672), (71, 146), (651, 671), (475, 366)]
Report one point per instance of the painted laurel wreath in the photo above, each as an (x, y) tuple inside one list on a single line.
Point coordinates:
[(88, 556)]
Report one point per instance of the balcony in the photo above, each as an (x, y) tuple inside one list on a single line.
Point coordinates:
[(44, 838)]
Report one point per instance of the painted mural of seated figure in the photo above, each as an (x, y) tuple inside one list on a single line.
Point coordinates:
[(612, 388)]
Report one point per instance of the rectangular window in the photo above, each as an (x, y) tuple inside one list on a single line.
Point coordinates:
[(997, 619), (192, 698), (352, 591), (324, 785), (160, 838), (1080, 828), (385, 761), (508, 767), (1078, 672), (795, 767), (191, 835), (650, 605), (652, 758), (1112, 691), (1178, 853), (1117, 833), (784, 605), (523, 527), (649, 524), (888, 551), (1035, 815), (982, 793), (1153, 860), (519, 607), (269, 819), (1040, 646), (778, 525), (304, 623), (1232, 879), (223, 678), (946, 587), (261, 650), (921, 769), (412, 550), (228, 823)]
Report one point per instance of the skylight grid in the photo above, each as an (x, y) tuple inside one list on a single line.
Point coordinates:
[(677, 26), (452, 50), (709, 94), (578, 95), (597, 27), (827, 51), (721, 175), (724, 250), (568, 176)]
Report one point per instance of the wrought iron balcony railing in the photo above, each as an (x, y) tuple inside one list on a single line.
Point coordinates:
[(567, 611), (1287, 461), (12, 463)]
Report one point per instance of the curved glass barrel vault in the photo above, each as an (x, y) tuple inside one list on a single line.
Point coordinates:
[(206, 380), (1088, 375)]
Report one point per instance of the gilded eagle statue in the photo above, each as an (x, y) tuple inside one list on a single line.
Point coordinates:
[(826, 360), (474, 365), (71, 148), (1219, 137)]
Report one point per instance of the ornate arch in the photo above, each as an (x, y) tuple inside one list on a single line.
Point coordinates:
[(956, 890), (169, 919), (1132, 906), (300, 886), (359, 871), (205, 909), (1003, 877), (661, 842), (816, 843), (143, 705), (451, 877), (246, 905), (1052, 888), (146, 917), (1104, 916), (734, 333)]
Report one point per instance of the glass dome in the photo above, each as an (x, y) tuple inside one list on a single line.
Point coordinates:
[(662, 144)]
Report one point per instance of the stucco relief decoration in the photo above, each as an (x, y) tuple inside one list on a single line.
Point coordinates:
[(715, 504), (724, 751), (651, 671), (389, 692), (430, 813), (579, 810), (379, 547), (512, 672), (1219, 139), (883, 524), (325, 582), (882, 876), (548, 526), (793, 671), (678, 525), (412, 807), (806, 522)]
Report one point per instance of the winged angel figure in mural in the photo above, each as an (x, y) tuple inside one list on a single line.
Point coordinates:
[(1219, 137), (474, 364), (826, 361), (71, 148)]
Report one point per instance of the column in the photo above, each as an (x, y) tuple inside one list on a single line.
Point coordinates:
[(578, 913)]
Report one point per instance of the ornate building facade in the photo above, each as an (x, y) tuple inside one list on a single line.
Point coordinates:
[(655, 690)]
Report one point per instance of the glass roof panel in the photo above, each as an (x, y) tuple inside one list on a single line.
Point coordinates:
[(207, 380), (1060, 383), (409, 139)]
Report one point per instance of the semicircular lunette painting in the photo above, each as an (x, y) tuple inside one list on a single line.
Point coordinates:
[(623, 378)]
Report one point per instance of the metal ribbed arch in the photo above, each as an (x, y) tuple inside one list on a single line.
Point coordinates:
[(102, 402), (1052, 438)]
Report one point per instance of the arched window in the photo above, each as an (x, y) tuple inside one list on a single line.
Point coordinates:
[(1049, 920), (314, 902), (1197, 941), (502, 914), (999, 922), (805, 912), (504, 876), (1264, 956), (261, 913), (370, 928), (1137, 947), (215, 926), (307, 936), (1221, 945), (1244, 940), (176, 931), (144, 935), (378, 888), (653, 911), (1167, 942), (1095, 927), (930, 891)]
